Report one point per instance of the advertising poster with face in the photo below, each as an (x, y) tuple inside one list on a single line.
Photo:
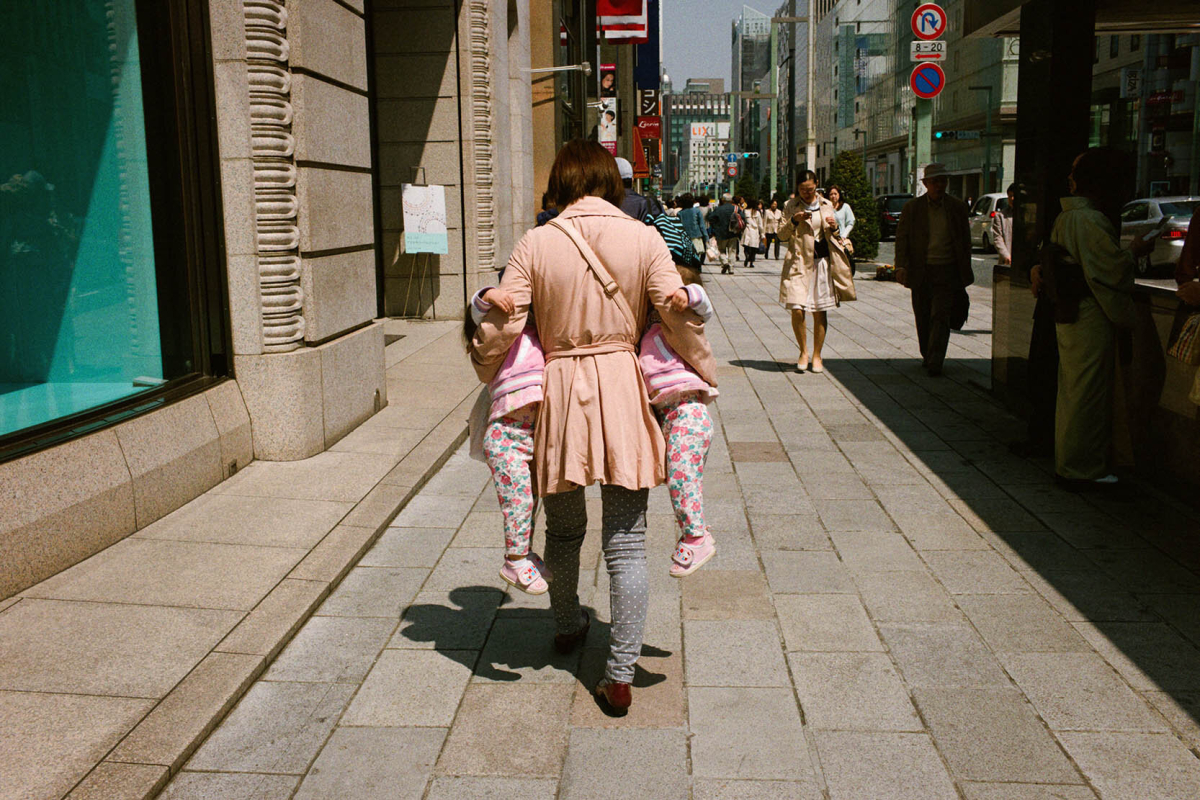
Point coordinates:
[(607, 126), (608, 80)]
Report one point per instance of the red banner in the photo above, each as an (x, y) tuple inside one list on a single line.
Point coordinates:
[(649, 127), (624, 21)]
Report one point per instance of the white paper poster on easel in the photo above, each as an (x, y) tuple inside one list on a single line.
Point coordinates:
[(425, 219)]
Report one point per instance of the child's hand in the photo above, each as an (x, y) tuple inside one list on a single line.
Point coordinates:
[(680, 301), (500, 299)]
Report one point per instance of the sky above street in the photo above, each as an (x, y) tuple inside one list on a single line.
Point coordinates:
[(697, 36)]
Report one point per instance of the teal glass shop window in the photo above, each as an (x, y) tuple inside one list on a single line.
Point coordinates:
[(89, 312)]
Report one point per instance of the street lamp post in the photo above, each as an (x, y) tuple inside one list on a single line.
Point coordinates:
[(987, 138)]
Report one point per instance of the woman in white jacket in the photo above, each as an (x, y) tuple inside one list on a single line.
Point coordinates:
[(753, 233)]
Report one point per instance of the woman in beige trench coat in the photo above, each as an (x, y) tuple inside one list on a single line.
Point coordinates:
[(810, 282), (595, 423)]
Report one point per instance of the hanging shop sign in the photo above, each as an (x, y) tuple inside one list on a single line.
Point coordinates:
[(649, 127), (608, 80), (606, 126), (927, 81), (928, 21), (647, 102)]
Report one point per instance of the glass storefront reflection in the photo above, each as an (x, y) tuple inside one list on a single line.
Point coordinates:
[(79, 304)]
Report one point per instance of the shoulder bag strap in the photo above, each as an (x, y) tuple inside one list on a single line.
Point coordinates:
[(600, 271)]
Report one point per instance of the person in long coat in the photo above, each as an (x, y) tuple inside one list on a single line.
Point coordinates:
[(816, 269), (595, 424), (752, 235)]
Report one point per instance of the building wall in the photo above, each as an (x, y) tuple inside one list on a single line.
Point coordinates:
[(453, 98), (867, 90)]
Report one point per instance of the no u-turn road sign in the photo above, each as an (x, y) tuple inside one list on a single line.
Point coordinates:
[(928, 21)]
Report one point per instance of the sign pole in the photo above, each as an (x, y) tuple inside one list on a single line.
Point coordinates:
[(923, 139)]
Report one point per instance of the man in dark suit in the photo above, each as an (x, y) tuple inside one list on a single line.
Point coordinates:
[(933, 259)]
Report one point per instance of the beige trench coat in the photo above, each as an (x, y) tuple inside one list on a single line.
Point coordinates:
[(796, 282), (595, 423)]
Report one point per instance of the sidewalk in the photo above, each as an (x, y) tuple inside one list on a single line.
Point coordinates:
[(899, 609), (113, 671)]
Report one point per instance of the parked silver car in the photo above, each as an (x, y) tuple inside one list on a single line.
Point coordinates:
[(986, 207), (1168, 218)]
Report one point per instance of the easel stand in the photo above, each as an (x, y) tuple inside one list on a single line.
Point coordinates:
[(418, 179)]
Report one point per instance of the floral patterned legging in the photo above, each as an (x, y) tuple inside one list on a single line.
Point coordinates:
[(508, 447), (689, 431)]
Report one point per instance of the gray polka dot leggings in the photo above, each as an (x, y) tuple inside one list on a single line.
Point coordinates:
[(624, 541)]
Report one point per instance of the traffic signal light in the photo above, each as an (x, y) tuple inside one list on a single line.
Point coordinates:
[(942, 135)]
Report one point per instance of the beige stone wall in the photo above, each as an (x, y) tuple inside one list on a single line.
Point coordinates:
[(452, 97), (294, 129), (64, 504)]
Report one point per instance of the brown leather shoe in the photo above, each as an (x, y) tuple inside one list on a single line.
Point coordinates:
[(566, 642), (617, 696)]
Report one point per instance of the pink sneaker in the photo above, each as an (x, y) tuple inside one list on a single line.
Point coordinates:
[(524, 575), (690, 557)]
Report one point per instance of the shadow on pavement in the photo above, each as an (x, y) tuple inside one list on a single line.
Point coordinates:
[(1123, 568), (514, 640)]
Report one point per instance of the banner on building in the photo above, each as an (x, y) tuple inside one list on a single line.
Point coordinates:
[(647, 102), (606, 127), (608, 80), (641, 166), (710, 130), (424, 219), (649, 127), (624, 21)]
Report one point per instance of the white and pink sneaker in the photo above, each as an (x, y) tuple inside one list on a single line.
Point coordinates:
[(529, 574), (690, 557)]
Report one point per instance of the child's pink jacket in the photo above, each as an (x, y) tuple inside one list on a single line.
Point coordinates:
[(665, 373)]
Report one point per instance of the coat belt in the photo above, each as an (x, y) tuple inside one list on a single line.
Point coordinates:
[(593, 349)]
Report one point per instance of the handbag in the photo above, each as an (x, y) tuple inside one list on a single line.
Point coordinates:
[(713, 252), (1186, 347)]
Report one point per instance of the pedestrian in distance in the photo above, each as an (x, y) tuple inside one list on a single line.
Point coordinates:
[(1002, 229), (641, 208), (548, 211), (772, 219), (722, 227), (933, 259), (693, 224), (844, 215), (1090, 278), (752, 235), (816, 269), (590, 278)]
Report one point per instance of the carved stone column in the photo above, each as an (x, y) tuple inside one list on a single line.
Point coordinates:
[(272, 148)]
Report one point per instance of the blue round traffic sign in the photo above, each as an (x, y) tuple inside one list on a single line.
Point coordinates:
[(927, 81)]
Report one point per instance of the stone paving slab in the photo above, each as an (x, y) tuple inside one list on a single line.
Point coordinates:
[(899, 609), (186, 612)]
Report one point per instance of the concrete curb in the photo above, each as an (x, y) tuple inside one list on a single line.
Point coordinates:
[(142, 763)]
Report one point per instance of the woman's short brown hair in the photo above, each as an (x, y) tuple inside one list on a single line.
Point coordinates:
[(584, 168)]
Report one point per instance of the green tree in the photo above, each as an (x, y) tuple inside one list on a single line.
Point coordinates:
[(849, 174), (747, 187)]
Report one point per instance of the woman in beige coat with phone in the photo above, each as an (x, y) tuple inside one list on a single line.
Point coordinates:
[(816, 269)]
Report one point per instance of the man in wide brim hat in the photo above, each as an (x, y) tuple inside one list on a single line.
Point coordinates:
[(933, 259)]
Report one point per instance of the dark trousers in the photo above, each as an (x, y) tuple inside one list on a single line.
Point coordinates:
[(773, 237), (933, 300), (1042, 375), (750, 253)]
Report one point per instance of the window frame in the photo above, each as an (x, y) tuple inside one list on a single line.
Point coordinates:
[(179, 104)]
